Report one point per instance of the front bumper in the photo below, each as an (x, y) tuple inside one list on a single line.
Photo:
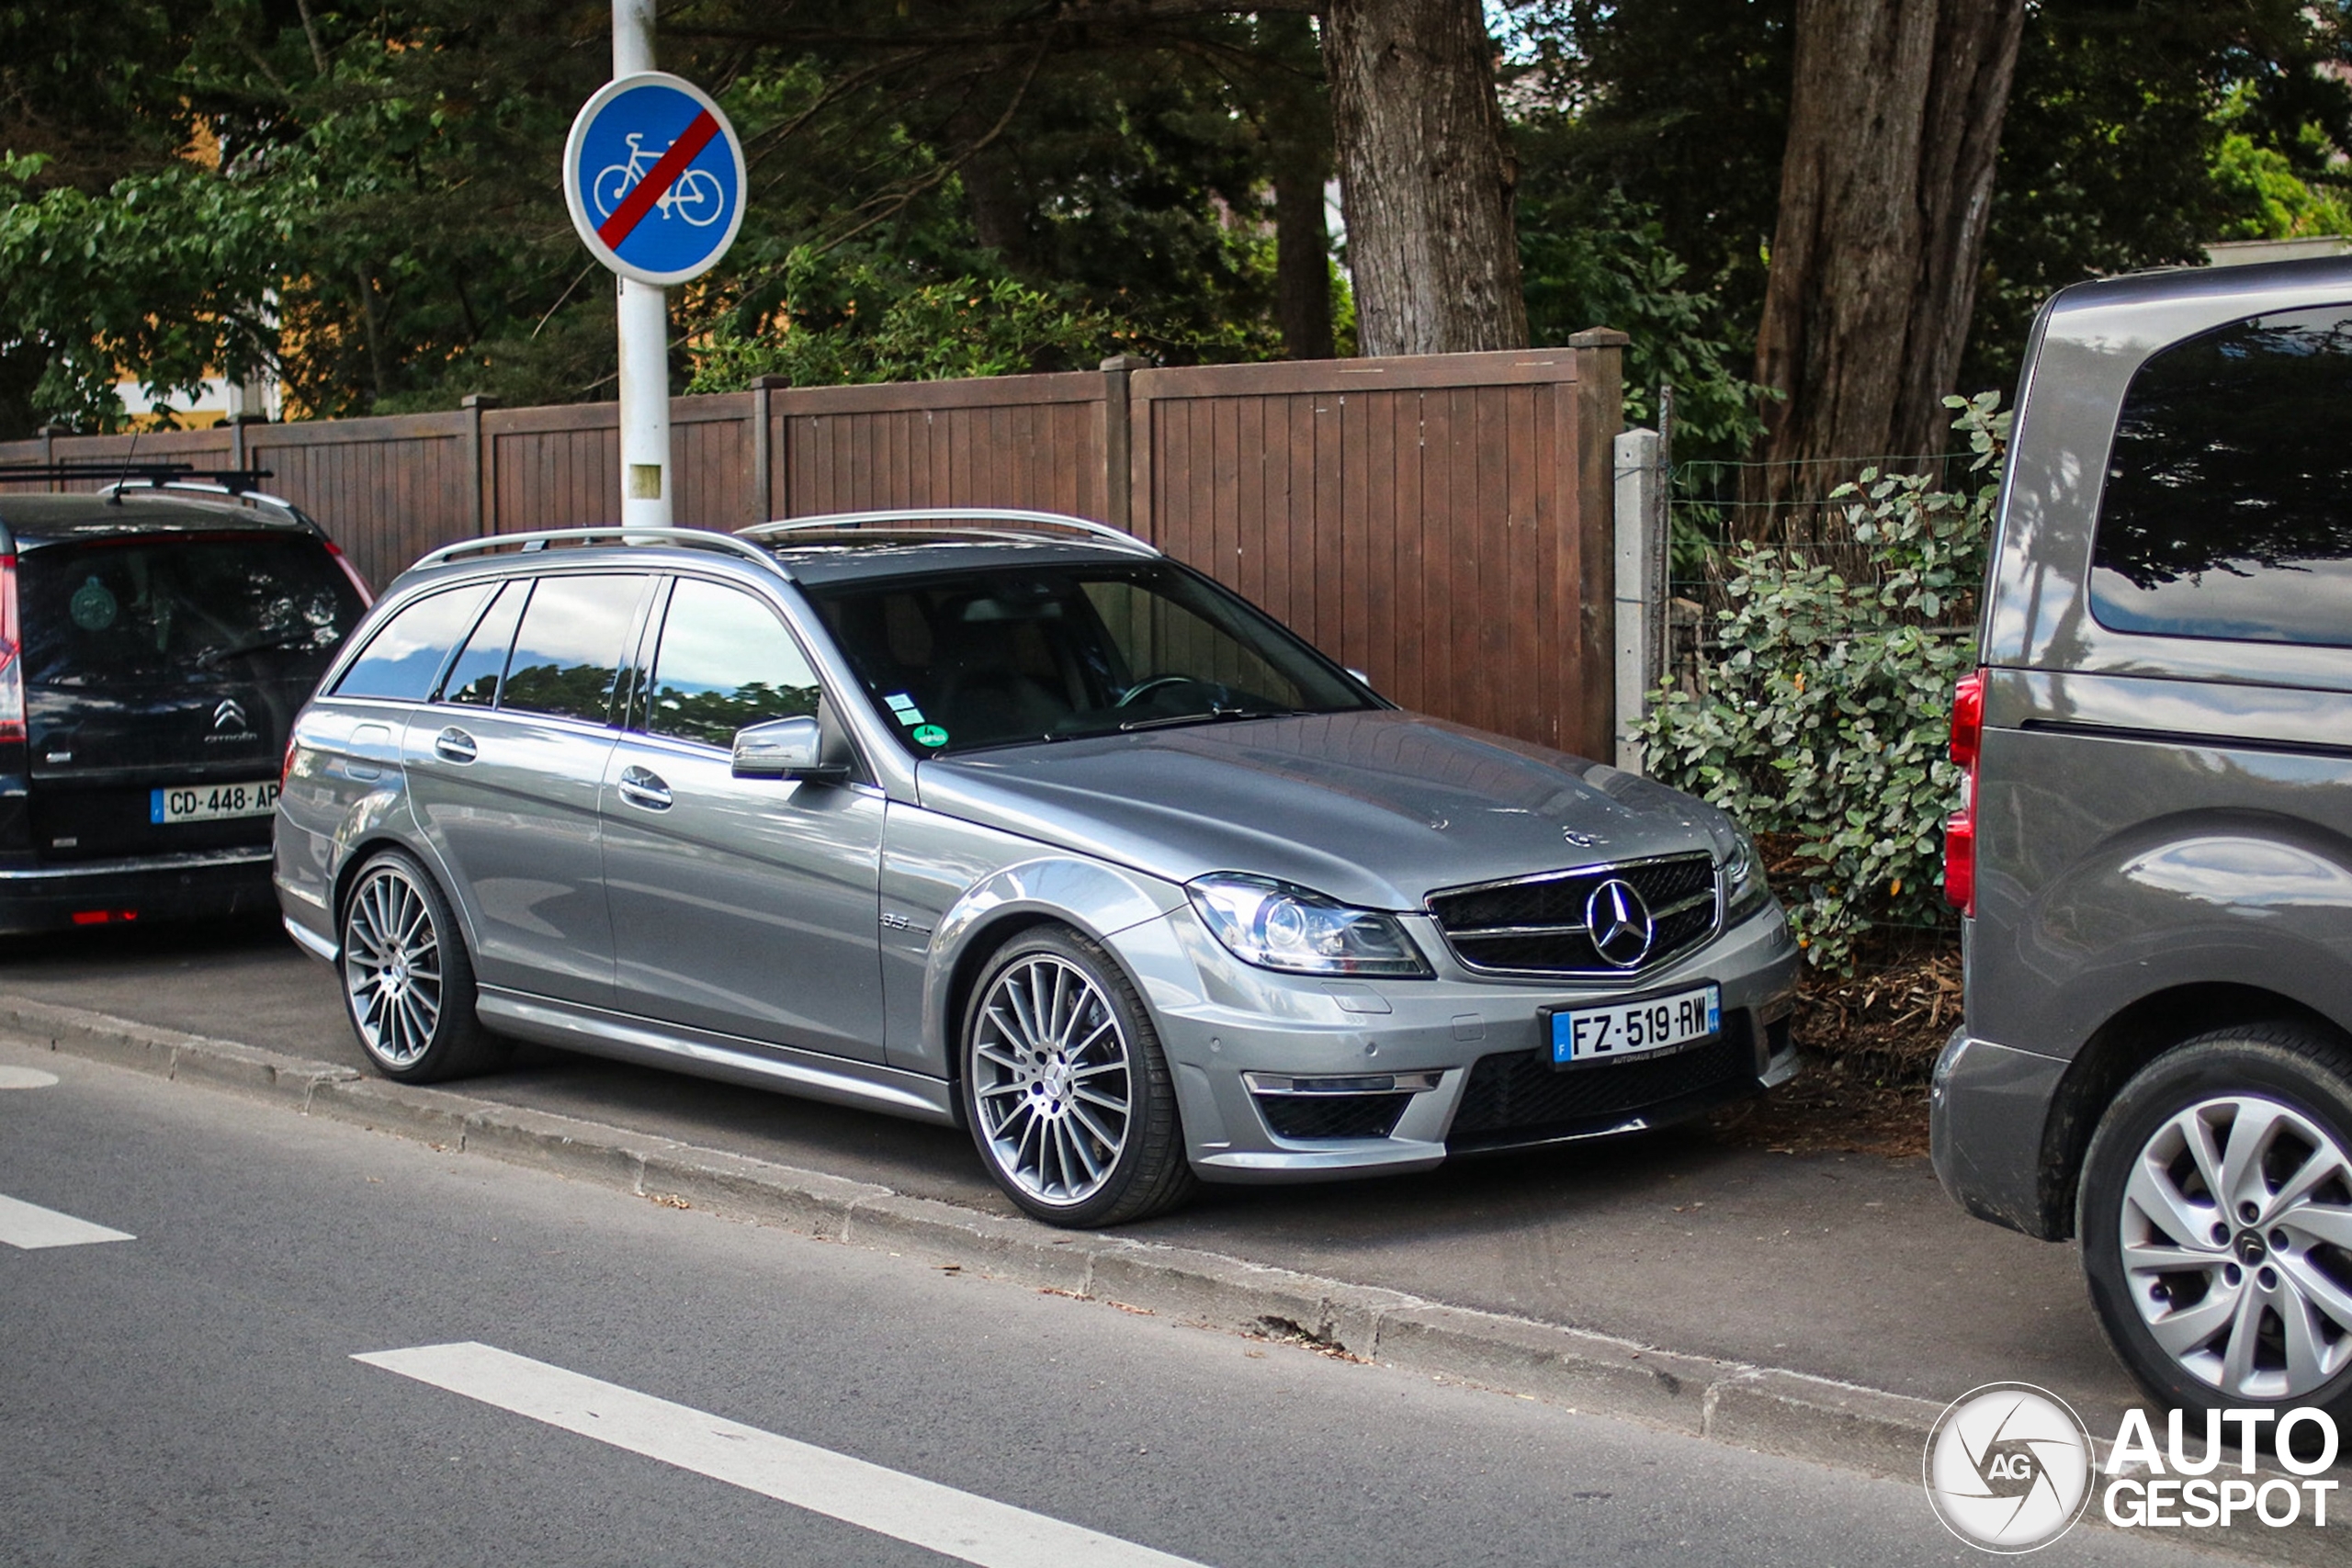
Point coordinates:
[(200, 884), (1987, 1110), (1467, 1054)]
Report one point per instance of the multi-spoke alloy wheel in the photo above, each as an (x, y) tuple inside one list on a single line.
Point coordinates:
[(405, 976), (2217, 1221), (1067, 1091), (1052, 1079), (2236, 1224)]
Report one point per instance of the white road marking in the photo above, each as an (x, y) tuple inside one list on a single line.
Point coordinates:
[(25, 1078), (29, 1225), (887, 1502)]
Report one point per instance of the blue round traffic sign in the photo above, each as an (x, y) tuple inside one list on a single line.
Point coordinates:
[(654, 177)]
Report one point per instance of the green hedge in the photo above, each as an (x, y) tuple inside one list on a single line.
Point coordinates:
[(1825, 718)]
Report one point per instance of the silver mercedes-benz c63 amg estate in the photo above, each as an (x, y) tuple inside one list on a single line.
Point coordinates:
[(1005, 820)]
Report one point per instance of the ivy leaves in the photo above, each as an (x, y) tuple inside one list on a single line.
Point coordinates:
[(1825, 720)]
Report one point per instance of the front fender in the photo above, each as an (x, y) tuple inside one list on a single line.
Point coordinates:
[(1098, 899)]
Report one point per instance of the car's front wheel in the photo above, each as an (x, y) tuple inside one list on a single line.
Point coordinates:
[(408, 983), (2216, 1222), (1065, 1087)]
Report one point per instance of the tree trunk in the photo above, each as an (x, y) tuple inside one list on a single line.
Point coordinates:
[(1894, 118), (1426, 176), (1297, 122)]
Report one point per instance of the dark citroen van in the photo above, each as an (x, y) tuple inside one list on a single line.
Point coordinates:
[(155, 642), (2155, 859)]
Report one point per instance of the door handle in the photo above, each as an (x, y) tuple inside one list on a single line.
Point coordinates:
[(454, 746), (641, 787)]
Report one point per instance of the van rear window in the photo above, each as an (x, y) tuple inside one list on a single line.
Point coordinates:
[(254, 607), (2227, 511)]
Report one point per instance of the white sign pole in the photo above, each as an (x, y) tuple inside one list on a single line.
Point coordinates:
[(644, 330)]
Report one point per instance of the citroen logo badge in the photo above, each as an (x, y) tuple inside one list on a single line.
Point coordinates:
[(230, 714), (1620, 923)]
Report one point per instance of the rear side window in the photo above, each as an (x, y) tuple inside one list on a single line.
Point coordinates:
[(182, 610), (2227, 511), (725, 661), (409, 649), (473, 680), (567, 656)]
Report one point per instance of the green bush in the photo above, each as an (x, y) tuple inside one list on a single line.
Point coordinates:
[(1824, 722)]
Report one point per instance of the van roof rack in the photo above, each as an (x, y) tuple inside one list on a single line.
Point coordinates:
[(893, 521), (689, 538)]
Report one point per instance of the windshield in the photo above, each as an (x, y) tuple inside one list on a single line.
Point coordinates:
[(252, 608), (1010, 655)]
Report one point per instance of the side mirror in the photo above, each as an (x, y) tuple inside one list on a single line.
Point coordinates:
[(784, 749), (1362, 679)]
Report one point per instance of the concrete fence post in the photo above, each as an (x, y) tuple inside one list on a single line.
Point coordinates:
[(1640, 585)]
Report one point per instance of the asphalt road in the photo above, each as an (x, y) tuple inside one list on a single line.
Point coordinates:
[(189, 1394), (1856, 1268)]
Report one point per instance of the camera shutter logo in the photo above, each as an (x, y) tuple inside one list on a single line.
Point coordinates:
[(2008, 1468)]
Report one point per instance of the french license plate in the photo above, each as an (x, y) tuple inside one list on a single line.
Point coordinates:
[(210, 803), (1635, 1028)]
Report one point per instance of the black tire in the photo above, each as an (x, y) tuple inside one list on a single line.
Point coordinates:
[(1044, 1119), (2287, 1091), (408, 982)]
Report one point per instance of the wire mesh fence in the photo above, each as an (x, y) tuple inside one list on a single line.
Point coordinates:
[(1715, 507)]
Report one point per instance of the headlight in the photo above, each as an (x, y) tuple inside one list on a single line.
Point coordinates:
[(1277, 926), (1744, 888)]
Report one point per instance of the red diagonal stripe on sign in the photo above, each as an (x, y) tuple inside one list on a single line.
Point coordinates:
[(658, 179)]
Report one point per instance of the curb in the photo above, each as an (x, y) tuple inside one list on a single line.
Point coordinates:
[(1794, 1415)]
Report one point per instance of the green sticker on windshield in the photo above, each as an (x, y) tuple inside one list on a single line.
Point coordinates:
[(930, 735), (92, 607)]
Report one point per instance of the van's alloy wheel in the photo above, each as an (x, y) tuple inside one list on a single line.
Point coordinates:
[(2216, 1219), (407, 981), (1065, 1087)]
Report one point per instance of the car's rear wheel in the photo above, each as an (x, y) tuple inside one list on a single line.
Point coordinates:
[(1065, 1087), (408, 983), (2216, 1222)]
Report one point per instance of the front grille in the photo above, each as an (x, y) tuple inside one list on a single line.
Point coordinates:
[(1332, 1115), (1517, 1096), (1536, 925)]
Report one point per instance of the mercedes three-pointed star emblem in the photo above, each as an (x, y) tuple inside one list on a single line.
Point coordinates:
[(1620, 923)]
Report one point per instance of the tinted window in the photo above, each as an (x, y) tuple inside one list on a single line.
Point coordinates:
[(990, 658), (567, 656), (2228, 506), (473, 680), (725, 661), (248, 607)]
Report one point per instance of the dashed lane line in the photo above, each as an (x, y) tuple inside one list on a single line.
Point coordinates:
[(29, 1225), (25, 1078), (906, 1508)]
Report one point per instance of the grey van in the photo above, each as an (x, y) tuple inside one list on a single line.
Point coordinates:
[(1003, 820), (2155, 859)]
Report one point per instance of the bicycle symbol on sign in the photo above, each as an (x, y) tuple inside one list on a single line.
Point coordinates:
[(695, 196)]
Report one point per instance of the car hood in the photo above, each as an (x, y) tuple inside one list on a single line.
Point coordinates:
[(1377, 808)]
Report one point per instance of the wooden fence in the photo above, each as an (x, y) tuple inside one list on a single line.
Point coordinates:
[(1441, 522)]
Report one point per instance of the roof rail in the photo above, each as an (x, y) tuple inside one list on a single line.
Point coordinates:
[(850, 522), (690, 539), (200, 483)]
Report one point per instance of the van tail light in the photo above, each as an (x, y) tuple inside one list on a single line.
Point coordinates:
[(1960, 829), (11, 664), (366, 596)]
